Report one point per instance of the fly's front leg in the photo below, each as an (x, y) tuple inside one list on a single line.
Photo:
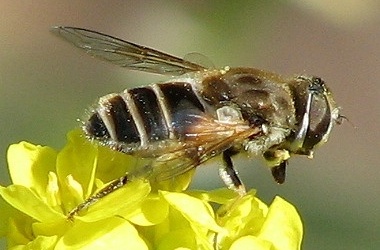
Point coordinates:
[(229, 175), (111, 187)]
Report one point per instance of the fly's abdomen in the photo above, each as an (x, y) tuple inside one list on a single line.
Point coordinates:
[(149, 113), (112, 121), (139, 117)]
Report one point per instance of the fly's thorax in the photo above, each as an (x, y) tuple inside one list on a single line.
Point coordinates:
[(263, 99)]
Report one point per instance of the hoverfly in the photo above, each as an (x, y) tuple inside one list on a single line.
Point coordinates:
[(203, 112)]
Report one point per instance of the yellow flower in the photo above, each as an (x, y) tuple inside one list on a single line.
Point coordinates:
[(48, 184)]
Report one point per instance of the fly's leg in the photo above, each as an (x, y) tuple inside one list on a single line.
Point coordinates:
[(277, 160), (228, 173), (111, 187), (279, 172), (143, 171), (231, 178)]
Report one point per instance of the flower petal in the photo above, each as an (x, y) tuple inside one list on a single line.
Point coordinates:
[(26, 201), (19, 229), (283, 226), (42, 242), (29, 165), (194, 210), (240, 217), (176, 184), (220, 196), (78, 158), (6, 212), (250, 242), (115, 233), (153, 210), (124, 202), (178, 239), (57, 228)]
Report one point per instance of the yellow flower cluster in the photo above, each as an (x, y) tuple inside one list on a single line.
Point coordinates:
[(48, 184)]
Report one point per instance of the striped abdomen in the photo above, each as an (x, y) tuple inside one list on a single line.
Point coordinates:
[(137, 117)]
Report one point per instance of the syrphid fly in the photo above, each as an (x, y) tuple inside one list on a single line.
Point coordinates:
[(202, 112)]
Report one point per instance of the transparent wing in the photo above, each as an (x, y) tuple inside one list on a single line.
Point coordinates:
[(202, 142), (126, 54)]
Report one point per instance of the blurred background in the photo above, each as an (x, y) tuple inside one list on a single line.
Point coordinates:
[(46, 84)]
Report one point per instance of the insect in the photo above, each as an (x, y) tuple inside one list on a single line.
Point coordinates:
[(203, 112)]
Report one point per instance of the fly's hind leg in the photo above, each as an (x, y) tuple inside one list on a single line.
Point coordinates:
[(111, 187), (228, 173), (144, 171)]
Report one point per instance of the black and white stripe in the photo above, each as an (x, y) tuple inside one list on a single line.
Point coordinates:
[(142, 115)]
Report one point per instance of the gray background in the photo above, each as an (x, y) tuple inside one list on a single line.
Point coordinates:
[(46, 84)]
